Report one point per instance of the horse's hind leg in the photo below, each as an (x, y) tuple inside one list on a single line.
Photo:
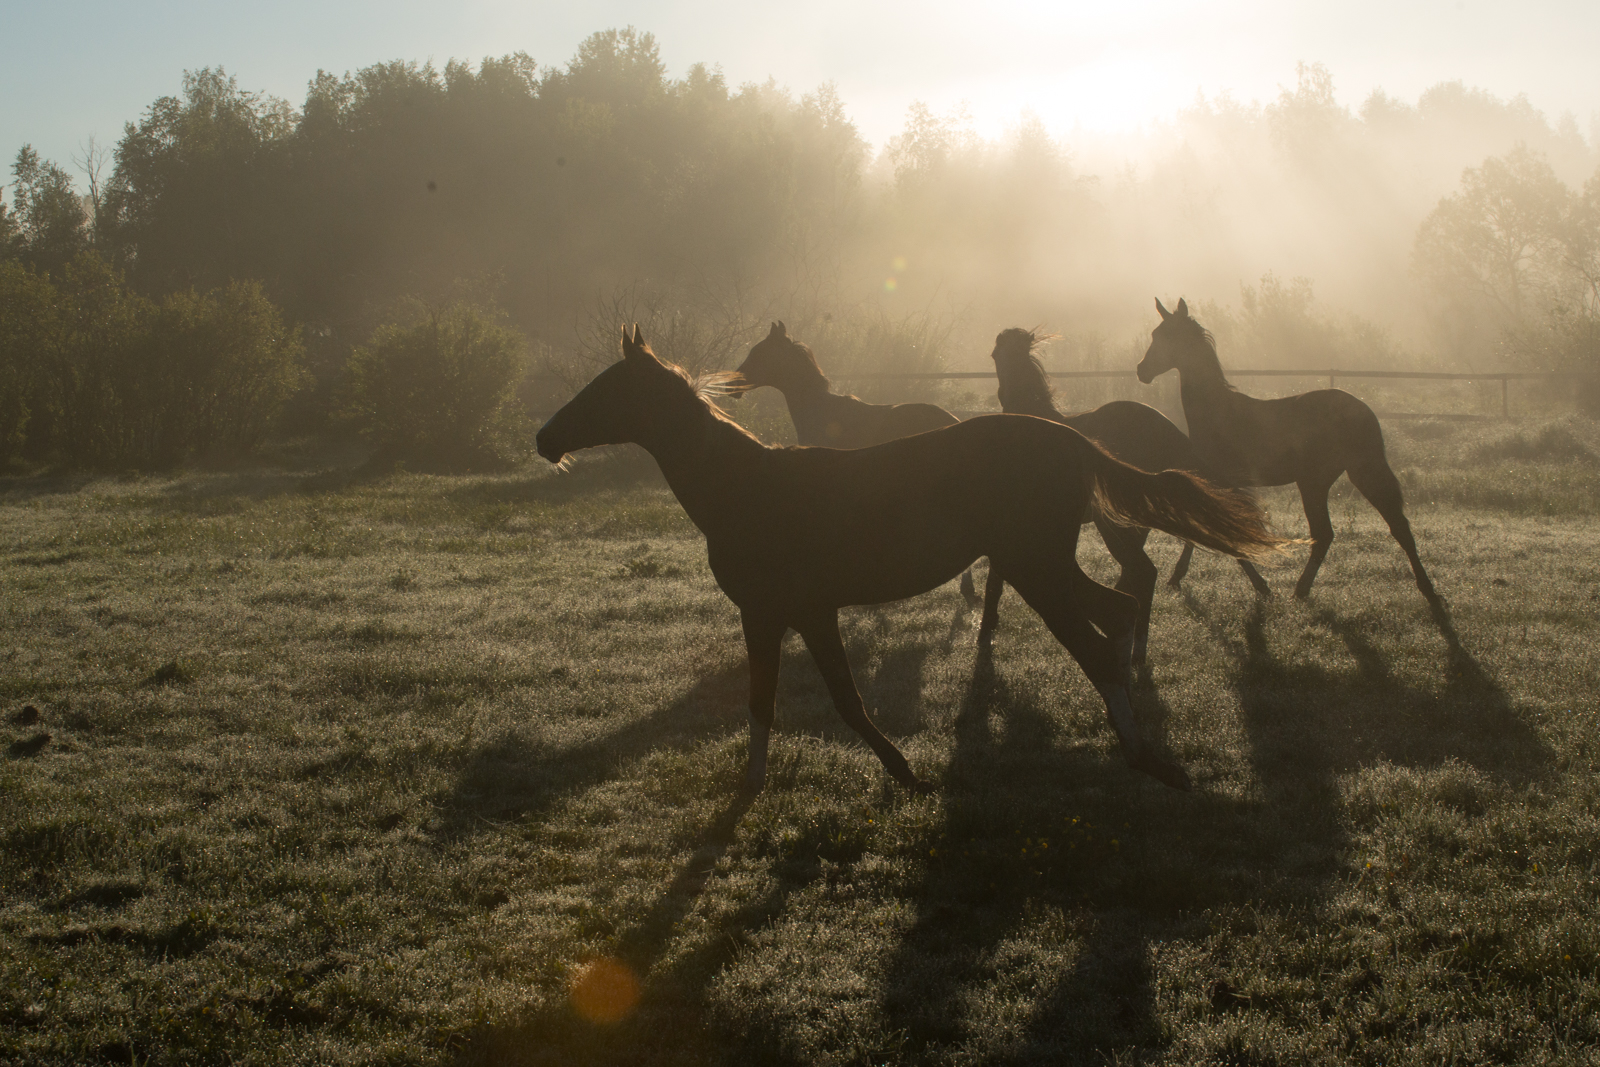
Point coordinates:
[(763, 642), (1377, 483), (1314, 497), (1180, 568), (1064, 599), (1138, 580), (1250, 572), (993, 589), (969, 591), (821, 633)]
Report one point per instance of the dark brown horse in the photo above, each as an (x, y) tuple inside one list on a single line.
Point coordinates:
[(834, 420), (1309, 439), (794, 534), (1134, 433), (821, 416)]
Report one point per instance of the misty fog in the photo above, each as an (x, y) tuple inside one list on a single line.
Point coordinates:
[(1456, 230)]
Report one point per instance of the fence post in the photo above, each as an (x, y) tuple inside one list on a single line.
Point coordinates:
[(1330, 379)]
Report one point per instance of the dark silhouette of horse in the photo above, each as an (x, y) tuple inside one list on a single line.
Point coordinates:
[(821, 416), (1134, 433), (794, 534), (1309, 439), (834, 420)]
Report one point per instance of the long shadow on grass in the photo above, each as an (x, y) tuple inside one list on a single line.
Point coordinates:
[(671, 1023), (1307, 723), (1038, 833), (509, 777)]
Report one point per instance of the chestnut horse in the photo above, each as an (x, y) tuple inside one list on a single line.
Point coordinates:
[(1135, 433), (1309, 439), (794, 534)]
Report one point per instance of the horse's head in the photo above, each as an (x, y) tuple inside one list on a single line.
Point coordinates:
[(1014, 346), (1024, 386), (1171, 343), (779, 361), (629, 402)]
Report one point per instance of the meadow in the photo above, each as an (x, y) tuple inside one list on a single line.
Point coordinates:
[(335, 766)]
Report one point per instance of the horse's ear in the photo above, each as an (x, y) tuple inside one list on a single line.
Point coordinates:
[(1183, 308), (778, 330), (1165, 314), (632, 347)]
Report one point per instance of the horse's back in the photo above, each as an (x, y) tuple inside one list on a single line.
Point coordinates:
[(854, 423), (1138, 434)]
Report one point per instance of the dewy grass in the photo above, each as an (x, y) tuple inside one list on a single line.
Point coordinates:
[(293, 809)]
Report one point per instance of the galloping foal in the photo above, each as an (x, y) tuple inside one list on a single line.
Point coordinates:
[(821, 416), (1135, 433), (1309, 439), (794, 534)]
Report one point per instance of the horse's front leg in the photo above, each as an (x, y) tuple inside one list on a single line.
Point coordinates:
[(763, 642), (821, 634)]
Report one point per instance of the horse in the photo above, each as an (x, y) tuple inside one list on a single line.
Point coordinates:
[(1308, 439), (794, 534), (834, 420), (821, 416), (1135, 433)]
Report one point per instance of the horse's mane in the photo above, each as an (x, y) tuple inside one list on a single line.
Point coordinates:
[(811, 361), (1203, 336), (1026, 380), (706, 387)]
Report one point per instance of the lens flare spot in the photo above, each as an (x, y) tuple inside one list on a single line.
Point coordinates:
[(890, 285), (899, 264), (604, 991)]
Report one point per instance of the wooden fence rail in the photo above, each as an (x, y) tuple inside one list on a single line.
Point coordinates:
[(1333, 376)]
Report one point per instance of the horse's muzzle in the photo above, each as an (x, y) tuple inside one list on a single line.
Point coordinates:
[(548, 448)]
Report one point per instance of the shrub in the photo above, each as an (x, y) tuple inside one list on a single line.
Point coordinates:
[(441, 392), (26, 305), (107, 378)]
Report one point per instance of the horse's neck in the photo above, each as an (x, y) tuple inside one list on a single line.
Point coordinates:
[(1210, 404), (707, 461), (810, 410), (1016, 401)]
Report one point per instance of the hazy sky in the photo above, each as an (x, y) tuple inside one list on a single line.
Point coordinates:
[(71, 70)]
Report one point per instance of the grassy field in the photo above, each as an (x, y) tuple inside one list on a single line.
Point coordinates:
[(327, 768)]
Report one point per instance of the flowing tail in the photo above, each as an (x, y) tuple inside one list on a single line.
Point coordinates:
[(1184, 505)]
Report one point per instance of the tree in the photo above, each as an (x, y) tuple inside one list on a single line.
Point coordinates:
[(50, 219), (1496, 239)]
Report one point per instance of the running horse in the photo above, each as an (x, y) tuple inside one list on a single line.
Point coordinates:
[(794, 534), (1308, 439), (1135, 433)]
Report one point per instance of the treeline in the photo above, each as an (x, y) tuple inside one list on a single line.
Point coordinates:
[(564, 198)]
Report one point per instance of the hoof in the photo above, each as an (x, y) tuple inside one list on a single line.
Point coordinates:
[(1164, 771)]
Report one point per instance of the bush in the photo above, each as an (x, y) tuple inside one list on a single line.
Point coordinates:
[(102, 377), (26, 305), (441, 392)]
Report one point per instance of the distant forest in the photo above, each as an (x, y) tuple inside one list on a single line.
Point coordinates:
[(1460, 230)]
